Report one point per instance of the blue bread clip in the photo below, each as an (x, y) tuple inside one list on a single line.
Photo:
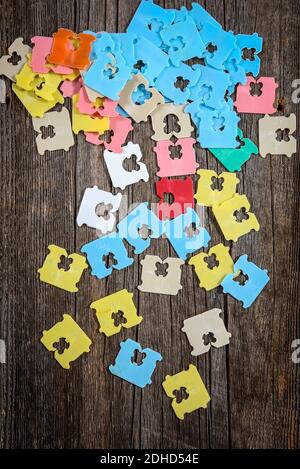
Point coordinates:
[(108, 74), (211, 87), (221, 42), (236, 72), (127, 369), (177, 232), (202, 17), (95, 250), (182, 41), (249, 291), (217, 128), (148, 21), (250, 41), (166, 82), (153, 59)]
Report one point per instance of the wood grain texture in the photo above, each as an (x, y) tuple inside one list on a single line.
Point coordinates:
[(253, 383)]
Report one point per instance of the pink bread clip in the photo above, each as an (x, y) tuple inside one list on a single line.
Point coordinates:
[(41, 50), (109, 108), (61, 69), (120, 127), (105, 108), (263, 104), (70, 88), (180, 166)]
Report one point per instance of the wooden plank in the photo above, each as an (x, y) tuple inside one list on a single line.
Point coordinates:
[(262, 335)]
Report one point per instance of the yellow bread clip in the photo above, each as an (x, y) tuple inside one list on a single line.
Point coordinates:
[(59, 277), (43, 85), (208, 196), (77, 340), (85, 122), (231, 227), (191, 381), (107, 306), (36, 106), (210, 278)]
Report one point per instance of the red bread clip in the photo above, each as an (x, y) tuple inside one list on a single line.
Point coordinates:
[(70, 49), (182, 192), (120, 127)]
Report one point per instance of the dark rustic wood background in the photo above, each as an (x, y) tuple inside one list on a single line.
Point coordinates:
[(253, 383)]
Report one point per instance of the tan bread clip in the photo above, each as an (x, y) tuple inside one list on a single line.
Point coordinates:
[(7, 68), (139, 111), (269, 132), (159, 115), (205, 330), (63, 138), (167, 282)]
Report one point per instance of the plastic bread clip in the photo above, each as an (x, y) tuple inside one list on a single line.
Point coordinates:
[(130, 227), (207, 194), (70, 49), (63, 136), (139, 111), (7, 67), (254, 281), (211, 277), (86, 123), (186, 234), (159, 116), (120, 177), (234, 158), (226, 215), (108, 307), (183, 165), (167, 283), (126, 368), (97, 250), (198, 328), (51, 273), (262, 103), (191, 382), (87, 215), (76, 340), (270, 140)]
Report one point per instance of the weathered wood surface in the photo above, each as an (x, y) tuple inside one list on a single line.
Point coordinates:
[(253, 383)]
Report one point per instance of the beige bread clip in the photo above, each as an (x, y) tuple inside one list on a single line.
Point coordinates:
[(139, 112), (7, 68), (153, 283), (63, 138), (268, 128), (198, 327), (158, 117)]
